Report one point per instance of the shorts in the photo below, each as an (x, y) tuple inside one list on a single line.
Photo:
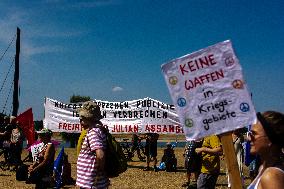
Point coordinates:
[(207, 181), (151, 150)]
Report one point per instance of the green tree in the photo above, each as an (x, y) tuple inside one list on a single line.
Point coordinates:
[(73, 137), (78, 98)]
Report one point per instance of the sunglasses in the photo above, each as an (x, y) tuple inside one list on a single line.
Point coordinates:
[(252, 135)]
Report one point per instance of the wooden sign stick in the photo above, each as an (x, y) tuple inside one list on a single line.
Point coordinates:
[(231, 160)]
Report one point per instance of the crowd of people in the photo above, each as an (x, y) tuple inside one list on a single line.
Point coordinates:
[(202, 157)]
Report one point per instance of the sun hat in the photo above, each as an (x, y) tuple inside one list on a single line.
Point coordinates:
[(90, 109), (45, 131)]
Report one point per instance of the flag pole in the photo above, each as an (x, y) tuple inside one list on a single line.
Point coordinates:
[(231, 160), (16, 76)]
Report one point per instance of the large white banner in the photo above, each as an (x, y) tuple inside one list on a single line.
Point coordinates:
[(209, 92), (136, 116)]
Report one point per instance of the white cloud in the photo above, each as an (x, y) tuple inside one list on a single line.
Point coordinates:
[(32, 50), (66, 34), (117, 89)]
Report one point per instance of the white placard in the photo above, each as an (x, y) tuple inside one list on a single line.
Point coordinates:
[(209, 91)]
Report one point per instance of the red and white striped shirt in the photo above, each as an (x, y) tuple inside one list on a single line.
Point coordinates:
[(87, 173)]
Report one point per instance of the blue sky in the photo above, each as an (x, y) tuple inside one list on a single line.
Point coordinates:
[(113, 49)]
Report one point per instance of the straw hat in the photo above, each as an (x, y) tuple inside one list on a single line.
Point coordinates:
[(90, 110), (45, 131)]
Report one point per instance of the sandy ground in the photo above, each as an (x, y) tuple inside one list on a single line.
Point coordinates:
[(133, 178)]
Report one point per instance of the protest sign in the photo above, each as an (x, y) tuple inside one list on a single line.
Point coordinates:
[(209, 91), (136, 116)]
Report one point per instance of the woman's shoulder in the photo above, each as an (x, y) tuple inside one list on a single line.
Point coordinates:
[(96, 131), (275, 170), (272, 175), (50, 145)]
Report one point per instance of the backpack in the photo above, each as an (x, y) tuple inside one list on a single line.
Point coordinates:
[(115, 162), (22, 173)]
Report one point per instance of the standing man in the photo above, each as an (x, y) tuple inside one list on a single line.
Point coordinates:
[(192, 162), (151, 150), (16, 145), (210, 162), (91, 159)]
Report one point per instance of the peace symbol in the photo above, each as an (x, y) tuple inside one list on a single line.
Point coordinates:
[(238, 84), (173, 80), (244, 107), (188, 123), (229, 61), (181, 102)]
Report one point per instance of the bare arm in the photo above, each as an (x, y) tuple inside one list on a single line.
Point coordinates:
[(4, 134), (213, 151), (271, 178), (48, 157), (100, 159)]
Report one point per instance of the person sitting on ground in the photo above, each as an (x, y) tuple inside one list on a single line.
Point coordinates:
[(192, 162), (151, 150), (266, 138), (41, 171), (169, 158)]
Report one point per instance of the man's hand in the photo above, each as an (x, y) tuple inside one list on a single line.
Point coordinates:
[(200, 150), (100, 159)]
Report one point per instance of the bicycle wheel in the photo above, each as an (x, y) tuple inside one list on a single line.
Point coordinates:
[(141, 153)]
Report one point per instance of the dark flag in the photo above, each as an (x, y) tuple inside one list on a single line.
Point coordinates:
[(26, 123)]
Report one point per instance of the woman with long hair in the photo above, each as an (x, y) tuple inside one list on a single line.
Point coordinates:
[(267, 140)]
